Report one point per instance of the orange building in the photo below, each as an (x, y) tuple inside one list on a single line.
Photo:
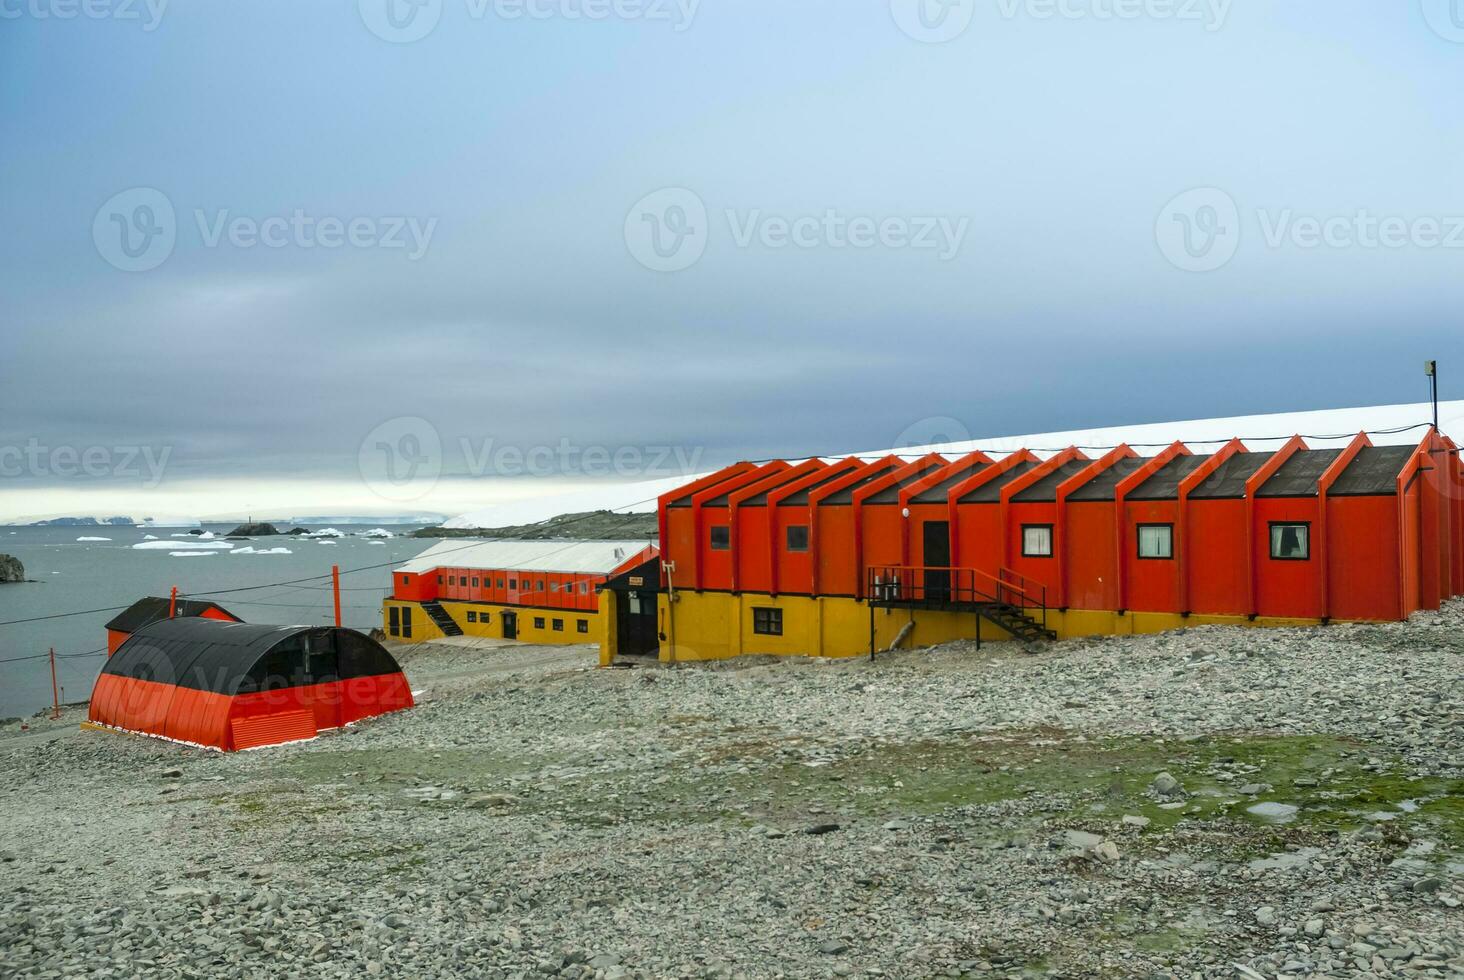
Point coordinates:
[(839, 557)]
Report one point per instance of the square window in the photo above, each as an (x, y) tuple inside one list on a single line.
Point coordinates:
[(472, 617), (582, 626), (541, 585), (721, 538), (1036, 540), (439, 580), (538, 622), (559, 626), (1156, 541), (553, 586), (767, 621), (500, 583), (513, 584), (1291, 542), (798, 538), (584, 588), (475, 583)]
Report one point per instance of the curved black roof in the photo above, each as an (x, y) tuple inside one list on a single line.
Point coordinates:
[(154, 608), (237, 658)]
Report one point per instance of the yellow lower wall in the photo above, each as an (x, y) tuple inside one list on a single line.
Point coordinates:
[(424, 629), (718, 625)]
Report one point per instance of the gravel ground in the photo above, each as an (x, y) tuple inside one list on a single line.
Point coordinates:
[(1212, 803)]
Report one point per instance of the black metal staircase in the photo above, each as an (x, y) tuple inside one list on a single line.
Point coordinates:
[(444, 622), (1007, 599)]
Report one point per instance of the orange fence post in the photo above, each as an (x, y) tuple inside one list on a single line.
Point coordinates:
[(173, 603), (335, 587)]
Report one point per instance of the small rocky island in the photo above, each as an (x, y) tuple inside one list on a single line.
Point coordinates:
[(11, 570), (260, 530)]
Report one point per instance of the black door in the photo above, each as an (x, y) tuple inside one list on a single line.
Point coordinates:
[(937, 541), (635, 623), (510, 625), (394, 621)]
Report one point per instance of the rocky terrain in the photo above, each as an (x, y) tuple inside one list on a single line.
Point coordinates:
[(1213, 803), (11, 570), (602, 525)]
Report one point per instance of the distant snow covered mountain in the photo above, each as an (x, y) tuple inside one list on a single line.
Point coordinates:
[(1259, 432)]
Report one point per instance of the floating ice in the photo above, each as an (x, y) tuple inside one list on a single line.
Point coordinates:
[(179, 545), (377, 532), (94, 539), (191, 554), (326, 532)]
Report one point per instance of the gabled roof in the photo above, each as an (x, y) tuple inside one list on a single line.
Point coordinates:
[(151, 609), (1104, 486), (1299, 475), (1228, 480), (570, 557), (939, 493), (1044, 491), (1373, 473), (1164, 484)]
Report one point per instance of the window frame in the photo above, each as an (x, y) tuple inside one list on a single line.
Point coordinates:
[(767, 620), (788, 539), (1139, 541), (1051, 540), (538, 622), (582, 626), (1271, 527), (726, 535), (556, 625)]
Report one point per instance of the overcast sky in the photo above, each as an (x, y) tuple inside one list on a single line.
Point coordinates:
[(741, 229)]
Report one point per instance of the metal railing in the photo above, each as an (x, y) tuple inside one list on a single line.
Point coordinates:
[(928, 584)]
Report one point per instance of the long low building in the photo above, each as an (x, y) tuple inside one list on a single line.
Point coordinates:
[(551, 592), (837, 558)]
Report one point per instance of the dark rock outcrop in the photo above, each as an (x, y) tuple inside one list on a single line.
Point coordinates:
[(258, 530), (11, 570)]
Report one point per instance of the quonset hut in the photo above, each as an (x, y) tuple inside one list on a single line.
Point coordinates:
[(841, 557), (237, 686)]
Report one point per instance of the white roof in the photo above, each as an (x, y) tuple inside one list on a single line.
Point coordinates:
[(1260, 432), (573, 557)]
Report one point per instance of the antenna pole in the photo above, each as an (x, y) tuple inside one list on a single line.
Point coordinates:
[(335, 588), (55, 695)]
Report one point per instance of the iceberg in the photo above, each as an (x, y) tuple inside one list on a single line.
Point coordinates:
[(93, 539), (190, 554), (326, 532), (182, 545), (377, 532)]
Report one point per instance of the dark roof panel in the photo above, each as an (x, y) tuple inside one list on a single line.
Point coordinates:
[(1164, 485), (1044, 491), (209, 655), (760, 499), (152, 609), (800, 497), (1373, 473), (891, 493), (1298, 476), (1228, 480), (1105, 484), (938, 493), (990, 491), (845, 495)]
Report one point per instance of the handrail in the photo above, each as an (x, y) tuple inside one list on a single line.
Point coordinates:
[(915, 583)]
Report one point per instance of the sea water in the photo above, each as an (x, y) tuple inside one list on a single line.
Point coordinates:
[(67, 575)]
